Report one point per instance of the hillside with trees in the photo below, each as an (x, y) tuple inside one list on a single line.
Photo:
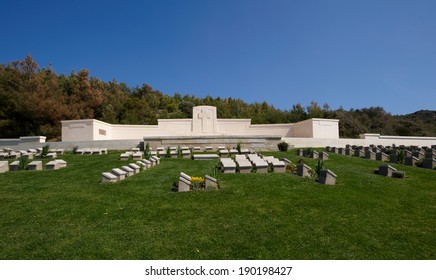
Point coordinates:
[(34, 100)]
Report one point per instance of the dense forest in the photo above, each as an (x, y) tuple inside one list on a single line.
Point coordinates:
[(34, 100)]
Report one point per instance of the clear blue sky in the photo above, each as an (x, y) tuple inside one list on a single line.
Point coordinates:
[(352, 53)]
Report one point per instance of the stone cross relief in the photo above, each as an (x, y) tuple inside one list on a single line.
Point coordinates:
[(204, 115)]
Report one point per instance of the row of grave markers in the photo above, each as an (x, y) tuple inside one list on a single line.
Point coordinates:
[(411, 154), (119, 174), (91, 151), (252, 162), (8, 153), (34, 165)]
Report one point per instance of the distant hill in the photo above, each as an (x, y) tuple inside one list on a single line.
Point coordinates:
[(422, 122), (35, 100)]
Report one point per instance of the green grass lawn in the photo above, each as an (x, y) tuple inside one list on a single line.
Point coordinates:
[(69, 214)]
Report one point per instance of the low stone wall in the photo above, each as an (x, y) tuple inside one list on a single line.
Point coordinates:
[(257, 143), (365, 140), (109, 144), (24, 140)]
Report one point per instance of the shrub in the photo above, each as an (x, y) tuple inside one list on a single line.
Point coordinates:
[(238, 147), (23, 162), (179, 152), (147, 151), (319, 167), (291, 168), (45, 150), (75, 148), (283, 146), (168, 152), (214, 170), (400, 156)]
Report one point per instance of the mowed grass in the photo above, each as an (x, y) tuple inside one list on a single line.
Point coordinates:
[(69, 214)]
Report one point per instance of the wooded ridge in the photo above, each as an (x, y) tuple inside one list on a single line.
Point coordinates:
[(34, 100)]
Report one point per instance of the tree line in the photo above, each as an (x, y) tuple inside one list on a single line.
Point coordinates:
[(34, 100)]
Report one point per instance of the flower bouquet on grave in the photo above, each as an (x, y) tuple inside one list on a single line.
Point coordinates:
[(197, 183)]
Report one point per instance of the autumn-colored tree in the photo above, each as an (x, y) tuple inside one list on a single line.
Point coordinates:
[(34, 100)]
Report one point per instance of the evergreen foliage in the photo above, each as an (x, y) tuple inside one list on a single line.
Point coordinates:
[(34, 100)]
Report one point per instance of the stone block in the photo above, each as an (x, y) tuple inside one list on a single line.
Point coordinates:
[(228, 165), (206, 156), (223, 152), (286, 161), (14, 155), (410, 160), (137, 156), (393, 158), (261, 166), (324, 156), (140, 163), (210, 182), (369, 154), (35, 165), (146, 162), (153, 161), (4, 166), (129, 171), (244, 166), (174, 153), (186, 153), (107, 177), (119, 173), (386, 170), (27, 155), (381, 156), (418, 154), (157, 159), (62, 163), (14, 166), (135, 167), (327, 177), (314, 155), (429, 163), (124, 156), (279, 166), (303, 170), (95, 151), (430, 153), (184, 182), (51, 165)]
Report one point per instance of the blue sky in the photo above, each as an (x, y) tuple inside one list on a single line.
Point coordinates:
[(347, 53)]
